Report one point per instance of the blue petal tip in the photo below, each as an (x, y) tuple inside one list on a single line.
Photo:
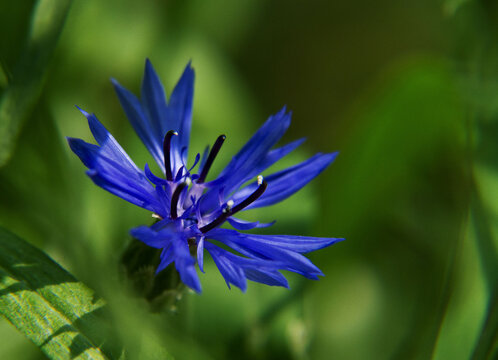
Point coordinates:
[(82, 111)]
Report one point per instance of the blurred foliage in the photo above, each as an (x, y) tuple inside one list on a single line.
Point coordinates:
[(25, 78), (48, 305), (407, 91)]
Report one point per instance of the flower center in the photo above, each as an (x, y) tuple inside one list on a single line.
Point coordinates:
[(229, 209)]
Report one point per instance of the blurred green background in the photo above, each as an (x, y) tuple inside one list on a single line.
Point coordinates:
[(407, 91)]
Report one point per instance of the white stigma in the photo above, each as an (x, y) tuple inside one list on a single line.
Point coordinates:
[(260, 179), (229, 206), (188, 181)]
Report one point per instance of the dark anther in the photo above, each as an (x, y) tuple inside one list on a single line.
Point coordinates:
[(231, 211), (251, 198), (175, 198), (167, 153), (212, 155)]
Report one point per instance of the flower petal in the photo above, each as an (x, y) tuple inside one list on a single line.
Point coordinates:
[(231, 272), (179, 114), (85, 151), (200, 254), (268, 277), (119, 178), (177, 248), (155, 239), (251, 247), (153, 178), (146, 131), (275, 155), (154, 102), (299, 244), (164, 199), (232, 267), (185, 264), (284, 183), (247, 225), (110, 148), (256, 149), (167, 257)]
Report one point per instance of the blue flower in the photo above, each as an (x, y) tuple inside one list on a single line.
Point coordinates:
[(190, 209)]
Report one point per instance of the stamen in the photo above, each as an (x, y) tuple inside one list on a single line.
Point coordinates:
[(167, 153), (175, 198), (228, 207), (231, 210), (251, 198), (157, 216), (212, 155)]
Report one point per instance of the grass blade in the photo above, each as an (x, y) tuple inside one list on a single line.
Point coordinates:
[(47, 304)]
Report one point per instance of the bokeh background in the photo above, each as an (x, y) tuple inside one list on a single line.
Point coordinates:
[(407, 91)]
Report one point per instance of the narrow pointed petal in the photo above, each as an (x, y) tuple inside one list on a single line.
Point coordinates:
[(185, 264), (272, 157), (179, 174), (162, 224), (247, 225), (277, 154), (234, 268), (110, 148), (200, 254), (179, 113), (178, 250), (155, 239), (85, 151), (291, 260), (123, 192), (117, 175), (196, 160), (167, 257), (284, 183), (300, 244), (154, 101), (153, 178), (141, 124), (268, 277), (256, 149), (164, 200), (231, 272)]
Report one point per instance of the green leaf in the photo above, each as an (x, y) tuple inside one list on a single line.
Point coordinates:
[(47, 304), (25, 87)]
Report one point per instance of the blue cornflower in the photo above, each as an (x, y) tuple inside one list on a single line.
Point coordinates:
[(191, 210)]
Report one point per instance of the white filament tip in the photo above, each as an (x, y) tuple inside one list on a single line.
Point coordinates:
[(229, 204), (156, 216), (188, 181), (260, 179)]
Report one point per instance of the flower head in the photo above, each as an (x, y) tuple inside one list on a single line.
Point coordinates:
[(192, 210)]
